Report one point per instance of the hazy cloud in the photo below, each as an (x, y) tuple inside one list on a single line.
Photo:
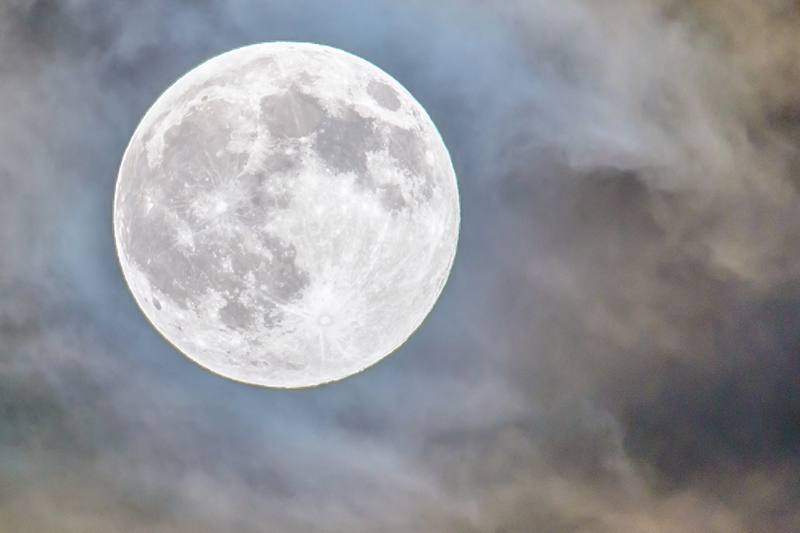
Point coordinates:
[(617, 349)]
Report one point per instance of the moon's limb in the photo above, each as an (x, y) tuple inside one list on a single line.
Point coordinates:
[(286, 214)]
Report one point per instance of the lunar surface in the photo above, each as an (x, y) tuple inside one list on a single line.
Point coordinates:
[(286, 214)]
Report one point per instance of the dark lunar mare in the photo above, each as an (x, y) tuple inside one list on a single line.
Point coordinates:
[(193, 157)]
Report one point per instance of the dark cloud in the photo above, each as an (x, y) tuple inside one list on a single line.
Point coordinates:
[(617, 348)]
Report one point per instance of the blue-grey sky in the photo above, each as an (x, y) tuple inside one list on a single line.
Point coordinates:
[(617, 349)]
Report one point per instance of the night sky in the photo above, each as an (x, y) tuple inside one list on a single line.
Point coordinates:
[(617, 349)]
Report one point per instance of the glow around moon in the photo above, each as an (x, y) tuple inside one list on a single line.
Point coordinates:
[(286, 214)]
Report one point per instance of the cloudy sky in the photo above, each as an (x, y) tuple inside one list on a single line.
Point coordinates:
[(617, 349)]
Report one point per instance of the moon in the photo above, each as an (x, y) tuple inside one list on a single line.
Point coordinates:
[(286, 214)]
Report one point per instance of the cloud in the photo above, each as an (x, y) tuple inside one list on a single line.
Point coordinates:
[(616, 349)]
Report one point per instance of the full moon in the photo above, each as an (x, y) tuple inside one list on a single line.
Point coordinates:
[(286, 214)]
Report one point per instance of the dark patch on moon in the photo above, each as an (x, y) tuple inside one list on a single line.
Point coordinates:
[(262, 200), (289, 365), (195, 162), (281, 163), (259, 63), (284, 278), (384, 95), (157, 304), (154, 250), (214, 81), (194, 152), (408, 150), (263, 193), (292, 114), (279, 277), (392, 198), (235, 315), (278, 280), (343, 143), (185, 277)]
